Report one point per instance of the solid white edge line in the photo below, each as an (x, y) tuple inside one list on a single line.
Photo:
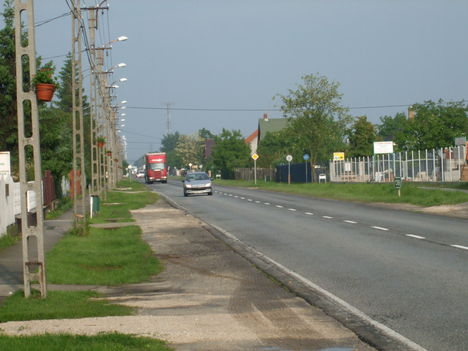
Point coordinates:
[(307, 282), (379, 228), (328, 294), (460, 247), (415, 236)]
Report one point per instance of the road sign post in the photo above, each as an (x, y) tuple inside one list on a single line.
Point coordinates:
[(255, 157), (289, 159), (398, 185), (306, 157)]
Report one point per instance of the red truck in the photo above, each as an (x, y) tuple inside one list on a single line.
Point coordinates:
[(156, 167)]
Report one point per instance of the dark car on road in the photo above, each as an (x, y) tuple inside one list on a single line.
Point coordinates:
[(197, 183)]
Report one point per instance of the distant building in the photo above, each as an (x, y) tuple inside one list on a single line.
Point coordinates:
[(265, 125), (252, 141)]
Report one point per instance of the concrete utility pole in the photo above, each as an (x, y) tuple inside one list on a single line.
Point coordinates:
[(33, 267), (79, 204), (95, 186)]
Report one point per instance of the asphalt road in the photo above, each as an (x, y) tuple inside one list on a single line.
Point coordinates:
[(406, 270)]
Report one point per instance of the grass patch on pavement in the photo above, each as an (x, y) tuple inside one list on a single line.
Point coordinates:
[(118, 204), (8, 240), (64, 342), (410, 193), (58, 305), (104, 257)]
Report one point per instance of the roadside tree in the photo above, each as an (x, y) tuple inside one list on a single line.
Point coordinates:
[(361, 137), (317, 119), (230, 152)]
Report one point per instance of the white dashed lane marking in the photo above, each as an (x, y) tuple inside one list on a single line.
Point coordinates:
[(379, 228), (415, 236), (460, 247)]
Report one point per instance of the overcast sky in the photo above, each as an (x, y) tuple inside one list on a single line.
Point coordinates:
[(224, 54)]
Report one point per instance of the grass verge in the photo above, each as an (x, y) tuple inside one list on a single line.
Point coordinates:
[(58, 305), (410, 193), (104, 257), (119, 203), (8, 240), (63, 342)]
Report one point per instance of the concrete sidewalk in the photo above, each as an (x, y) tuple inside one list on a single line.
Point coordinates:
[(11, 258)]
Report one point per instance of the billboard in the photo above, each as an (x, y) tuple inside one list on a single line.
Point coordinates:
[(383, 147)]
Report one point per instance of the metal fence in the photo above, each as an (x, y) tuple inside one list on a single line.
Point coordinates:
[(436, 165)]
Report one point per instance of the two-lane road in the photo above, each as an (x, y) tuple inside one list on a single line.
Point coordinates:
[(408, 271)]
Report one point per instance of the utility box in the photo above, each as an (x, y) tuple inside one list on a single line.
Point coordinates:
[(95, 204)]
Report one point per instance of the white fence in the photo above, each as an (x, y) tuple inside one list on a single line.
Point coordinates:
[(9, 202), (441, 165)]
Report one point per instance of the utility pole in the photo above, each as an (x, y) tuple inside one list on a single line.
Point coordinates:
[(33, 267), (168, 117), (95, 186), (79, 204)]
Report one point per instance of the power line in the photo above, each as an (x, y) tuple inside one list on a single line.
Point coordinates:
[(207, 109), (42, 22)]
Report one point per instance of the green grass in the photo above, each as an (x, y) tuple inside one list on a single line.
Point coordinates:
[(119, 203), (63, 342), (58, 305), (461, 185), (8, 240), (410, 193), (104, 257)]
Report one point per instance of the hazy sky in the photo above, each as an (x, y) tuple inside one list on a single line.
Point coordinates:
[(225, 54)]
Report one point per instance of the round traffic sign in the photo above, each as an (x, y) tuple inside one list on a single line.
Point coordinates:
[(289, 158), (306, 157)]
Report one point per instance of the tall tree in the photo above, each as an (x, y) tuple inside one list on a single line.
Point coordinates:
[(189, 149), (437, 124), (361, 138), (317, 119), (273, 148), (168, 145), (8, 120), (395, 129), (230, 152)]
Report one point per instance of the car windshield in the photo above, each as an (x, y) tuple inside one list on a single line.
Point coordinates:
[(197, 176), (156, 166)]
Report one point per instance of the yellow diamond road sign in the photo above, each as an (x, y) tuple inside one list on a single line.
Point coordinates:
[(255, 157)]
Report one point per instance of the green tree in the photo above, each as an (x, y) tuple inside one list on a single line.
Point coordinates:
[(317, 119), (168, 145), (273, 149), (189, 150), (230, 152), (8, 120), (437, 124), (395, 129), (361, 137)]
